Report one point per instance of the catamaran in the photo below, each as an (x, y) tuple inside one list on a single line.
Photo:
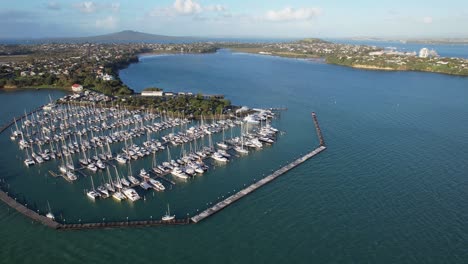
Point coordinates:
[(144, 174), (28, 161), (177, 172), (157, 185), (218, 157), (131, 194), (93, 194)]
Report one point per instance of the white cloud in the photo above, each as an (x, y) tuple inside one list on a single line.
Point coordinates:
[(109, 22), (292, 14), (89, 7), (215, 8), (115, 7), (187, 7), (427, 20), (86, 7), (54, 5)]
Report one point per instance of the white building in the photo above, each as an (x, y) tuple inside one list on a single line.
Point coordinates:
[(107, 77), (77, 88), (152, 93), (424, 53)]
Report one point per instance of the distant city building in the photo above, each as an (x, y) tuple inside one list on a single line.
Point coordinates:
[(77, 88), (426, 53), (152, 93)]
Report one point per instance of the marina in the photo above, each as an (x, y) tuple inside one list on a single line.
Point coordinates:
[(192, 162)]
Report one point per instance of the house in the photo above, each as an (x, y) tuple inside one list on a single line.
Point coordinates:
[(152, 93), (77, 88), (107, 77)]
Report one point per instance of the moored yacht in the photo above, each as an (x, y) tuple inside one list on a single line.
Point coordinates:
[(29, 162), (144, 174), (71, 176), (133, 180), (158, 186), (119, 196), (218, 157), (168, 216), (241, 150), (93, 194), (131, 194), (177, 172)]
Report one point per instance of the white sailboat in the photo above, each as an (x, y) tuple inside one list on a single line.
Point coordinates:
[(93, 194), (49, 214), (168, 216)]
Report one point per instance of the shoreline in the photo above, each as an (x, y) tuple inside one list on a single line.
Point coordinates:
[(355, 66), (16, 88)]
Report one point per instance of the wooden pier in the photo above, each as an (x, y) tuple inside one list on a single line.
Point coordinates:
[(244, 192)]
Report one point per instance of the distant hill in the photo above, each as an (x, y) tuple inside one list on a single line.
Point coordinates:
[(126, 36), (312, 40)]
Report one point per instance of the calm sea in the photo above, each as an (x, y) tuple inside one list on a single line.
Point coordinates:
[(390, 188)]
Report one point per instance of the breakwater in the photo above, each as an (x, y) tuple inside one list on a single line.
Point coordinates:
[(244, 192), (16, 119)]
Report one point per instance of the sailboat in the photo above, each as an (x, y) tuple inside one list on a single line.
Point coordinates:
[(222, 144), (93, 194), (241, 148), (168, 216), (28, 161), (49, 214)]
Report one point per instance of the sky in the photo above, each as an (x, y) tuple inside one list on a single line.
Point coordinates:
[(236, 18)]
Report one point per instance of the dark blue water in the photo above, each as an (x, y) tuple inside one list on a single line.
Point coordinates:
[(390, 188)]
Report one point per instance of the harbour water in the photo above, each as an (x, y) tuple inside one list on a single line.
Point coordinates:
[(391, 186)]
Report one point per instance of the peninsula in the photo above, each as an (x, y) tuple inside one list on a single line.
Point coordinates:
[(94, 62), (357, 56)]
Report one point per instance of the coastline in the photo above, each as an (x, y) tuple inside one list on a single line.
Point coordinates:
[(355, 66), (38, 87)]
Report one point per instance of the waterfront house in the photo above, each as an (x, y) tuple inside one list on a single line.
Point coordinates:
[(152, 93), (77, 88)]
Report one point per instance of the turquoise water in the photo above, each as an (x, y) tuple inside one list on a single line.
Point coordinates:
[(390, 188)]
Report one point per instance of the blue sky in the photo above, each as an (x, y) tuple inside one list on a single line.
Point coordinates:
[(231, 18)]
